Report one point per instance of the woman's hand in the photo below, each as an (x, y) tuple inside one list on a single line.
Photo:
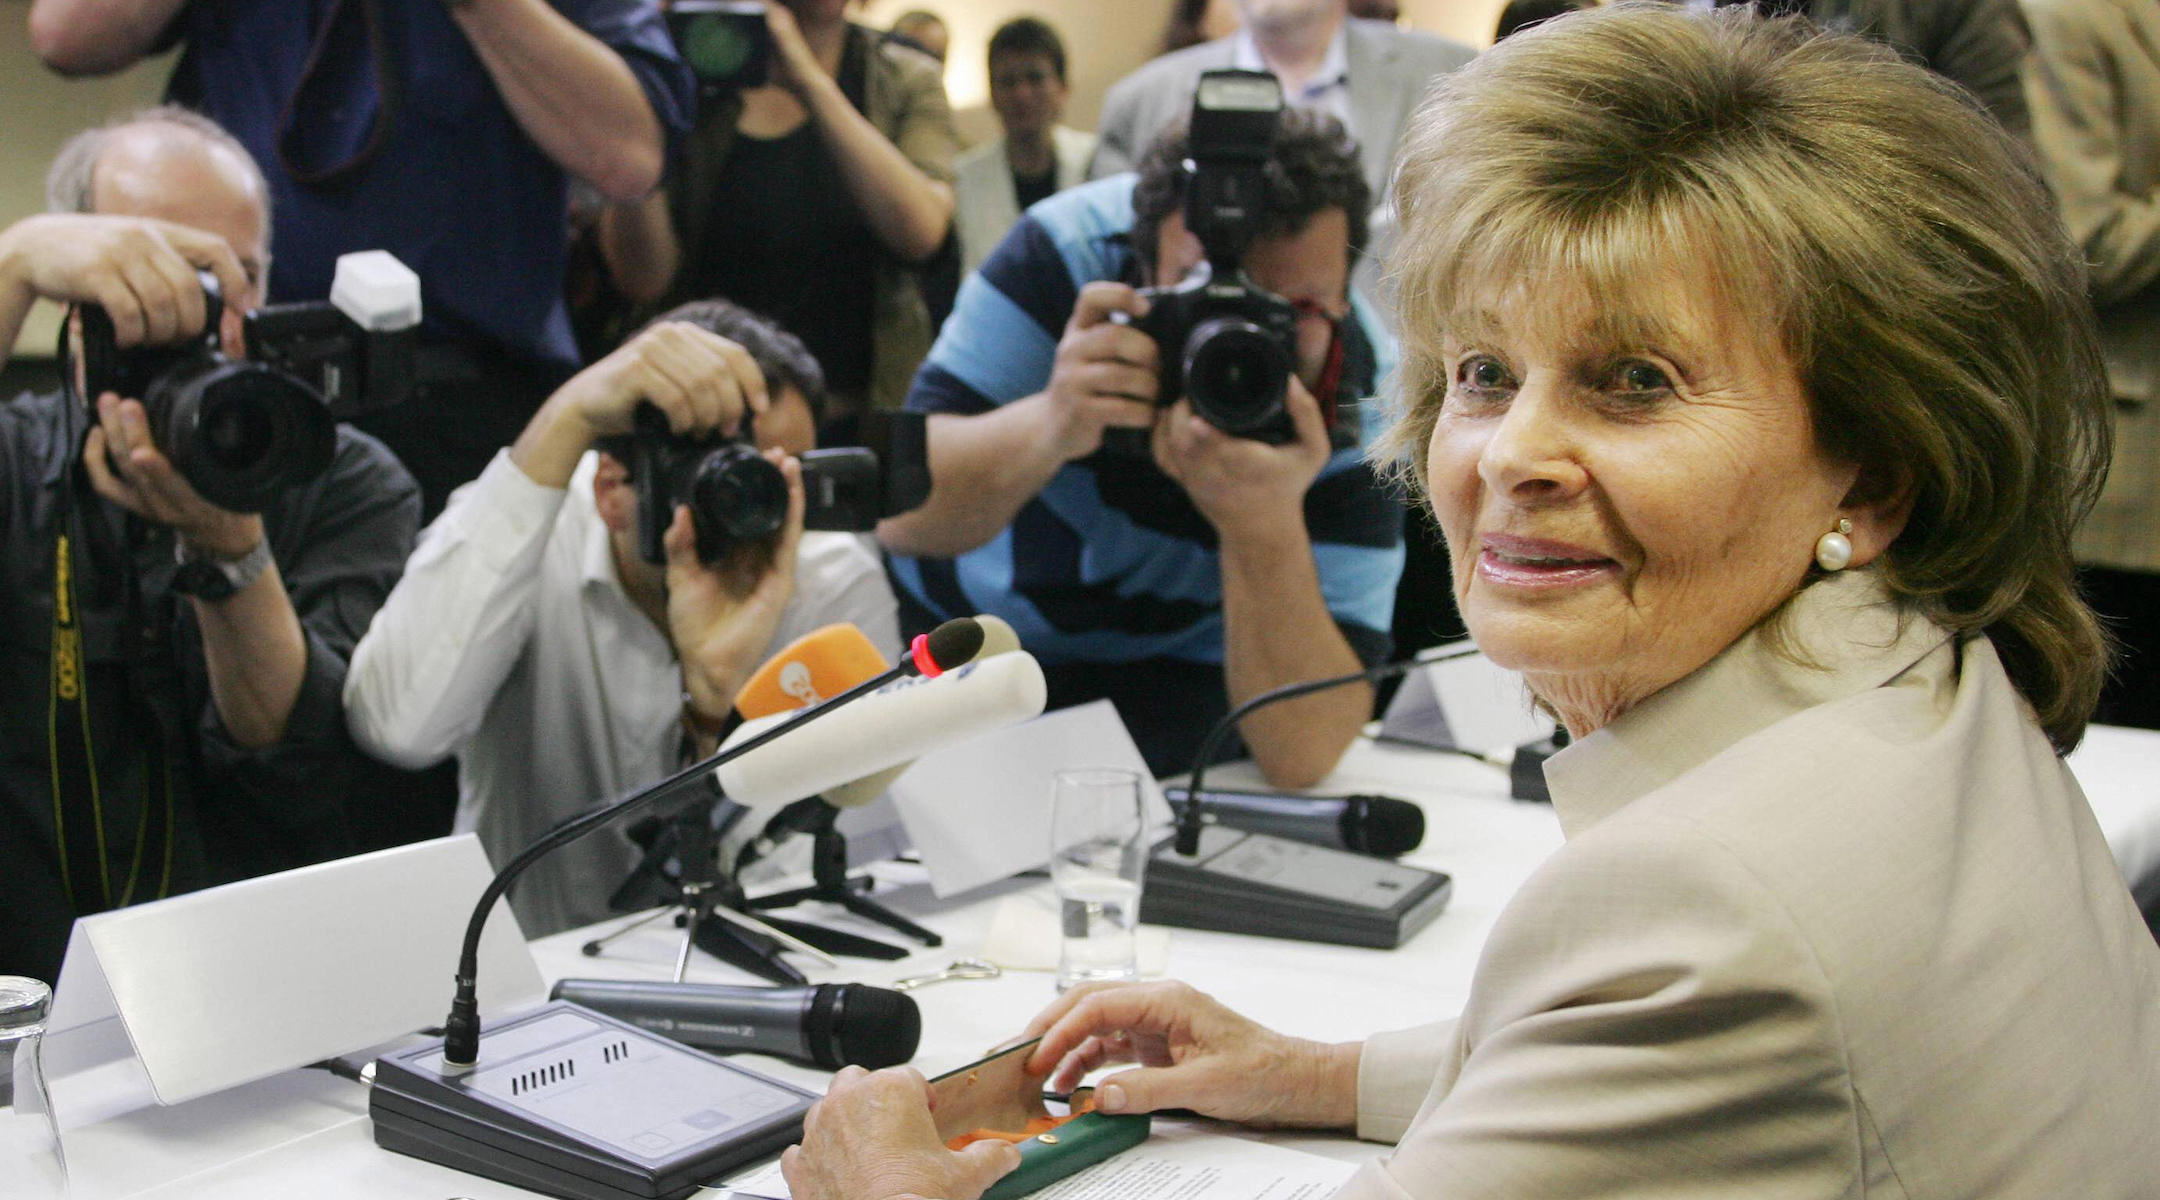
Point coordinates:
[(1194, 1054), (798, 68), (871, 1138)]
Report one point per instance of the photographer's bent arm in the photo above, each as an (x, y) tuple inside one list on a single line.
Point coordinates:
[(1277, 628), (143, 273), (571, 93), (453, 629), (94, 37), (984, 467), (907, 208)]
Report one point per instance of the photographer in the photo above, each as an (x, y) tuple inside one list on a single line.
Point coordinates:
[(171, 670), (811, 198), (1212, 567), (532, 639), (443, 131)]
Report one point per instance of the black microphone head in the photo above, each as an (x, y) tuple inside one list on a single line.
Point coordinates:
[(854, 1024), (949, 645), (1382, 825)]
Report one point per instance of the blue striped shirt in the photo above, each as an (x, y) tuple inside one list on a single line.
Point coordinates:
[(1111, 562)]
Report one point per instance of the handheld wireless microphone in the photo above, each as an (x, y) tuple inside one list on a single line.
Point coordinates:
[(829, 1025), (933, 654), (899, 723), (1378, 825), (1188, 818)]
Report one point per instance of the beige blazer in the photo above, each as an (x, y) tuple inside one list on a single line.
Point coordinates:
[(1814, 933), (2093, 85), (985, 206)]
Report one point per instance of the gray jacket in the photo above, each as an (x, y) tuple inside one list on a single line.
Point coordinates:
[(1389, 70)]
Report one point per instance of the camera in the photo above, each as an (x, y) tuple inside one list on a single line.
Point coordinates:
[(736, 496), (1228, 344), (242, 431), (724, 42)]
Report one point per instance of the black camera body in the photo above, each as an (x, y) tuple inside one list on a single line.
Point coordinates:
[(1228, 344), (242, 431), (725, 43), (736, 496)]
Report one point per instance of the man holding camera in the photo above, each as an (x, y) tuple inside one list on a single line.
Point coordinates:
[(444, 131), (1204, 568), (170, 671), (532, 637)]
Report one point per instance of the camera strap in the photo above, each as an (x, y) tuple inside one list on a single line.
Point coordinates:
[(314, 140), (79, 811), (1331, 373)]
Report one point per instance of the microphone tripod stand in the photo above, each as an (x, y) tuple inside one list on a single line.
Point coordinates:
[(710, 909), (829, 872)]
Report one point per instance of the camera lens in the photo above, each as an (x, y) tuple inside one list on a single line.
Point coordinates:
[(735, 496), (236, 434), (723, 44), (240, 433), (1236, 374)]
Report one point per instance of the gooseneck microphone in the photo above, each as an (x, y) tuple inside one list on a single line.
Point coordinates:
[(829, 1025), (1190, 815), (1378, 825), (949, 645)]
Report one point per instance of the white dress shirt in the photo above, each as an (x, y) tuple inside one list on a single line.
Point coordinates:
[(510, 643)]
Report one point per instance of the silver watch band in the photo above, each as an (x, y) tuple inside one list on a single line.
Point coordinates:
[(240, 572)]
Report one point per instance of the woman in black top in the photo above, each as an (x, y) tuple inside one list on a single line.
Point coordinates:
[(806, 198)]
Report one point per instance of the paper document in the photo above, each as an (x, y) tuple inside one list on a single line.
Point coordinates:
[(1177, 1162), (980, 811)]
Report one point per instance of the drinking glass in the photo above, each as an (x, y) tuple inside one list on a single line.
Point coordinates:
[(28, 1131), (1099, 842)]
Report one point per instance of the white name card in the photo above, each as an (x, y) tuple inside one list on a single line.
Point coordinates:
[(1467, 704), (176, 999), (979, 811)]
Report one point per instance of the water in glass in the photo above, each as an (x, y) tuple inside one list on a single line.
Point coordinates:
[(1099, 844)]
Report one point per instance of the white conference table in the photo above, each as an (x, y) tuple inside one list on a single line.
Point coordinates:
[(306, 1133)]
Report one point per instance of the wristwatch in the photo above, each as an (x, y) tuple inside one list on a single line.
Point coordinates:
[(207, 578)]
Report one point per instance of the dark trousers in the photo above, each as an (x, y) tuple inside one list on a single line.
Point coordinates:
[(473, 399), (2129, 605)]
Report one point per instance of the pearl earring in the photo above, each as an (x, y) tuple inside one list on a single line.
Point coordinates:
[(1833, 550)]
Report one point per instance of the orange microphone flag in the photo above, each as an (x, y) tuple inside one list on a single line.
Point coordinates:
[(811, 670)]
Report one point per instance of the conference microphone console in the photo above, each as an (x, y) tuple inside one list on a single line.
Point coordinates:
[(1270, 886), (571, 1103)]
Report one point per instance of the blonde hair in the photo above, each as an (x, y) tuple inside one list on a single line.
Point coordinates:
[(1892, 238)]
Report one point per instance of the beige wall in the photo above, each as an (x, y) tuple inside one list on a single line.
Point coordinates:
[(1104, 41), (39, 111)]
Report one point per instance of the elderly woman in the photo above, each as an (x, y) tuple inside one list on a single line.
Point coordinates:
[(1751, 381)]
